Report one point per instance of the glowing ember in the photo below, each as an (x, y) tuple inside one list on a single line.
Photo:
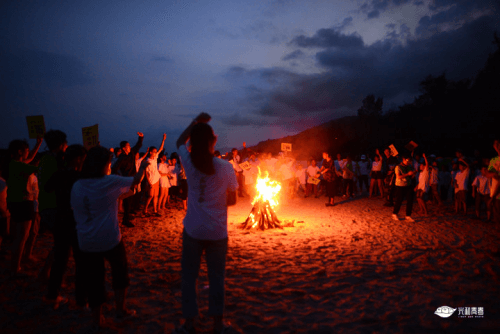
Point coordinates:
[(262, 215)]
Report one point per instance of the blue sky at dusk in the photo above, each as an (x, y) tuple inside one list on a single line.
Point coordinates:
[(262, 69)]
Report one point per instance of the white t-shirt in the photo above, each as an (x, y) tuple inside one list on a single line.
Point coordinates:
[(286, 170), (152, 170), (251, 174), (206, 216), (164, 181), (462, 179), (173, 173), (311, 172), (95, 207), (423, 180), (301, 175), (236, 163), (483, 184), (377, 166)]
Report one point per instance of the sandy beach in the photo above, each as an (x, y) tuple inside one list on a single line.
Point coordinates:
[(345, 269)]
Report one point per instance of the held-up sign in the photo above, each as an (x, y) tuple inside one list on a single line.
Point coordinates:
[(411, 146), (245, 166), (36, 126), (394, 152), (286, 147), (313, 180), (90, 136)]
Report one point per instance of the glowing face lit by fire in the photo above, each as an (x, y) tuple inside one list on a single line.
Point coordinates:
[(267, 190)]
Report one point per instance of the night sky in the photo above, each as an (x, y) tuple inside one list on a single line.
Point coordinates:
[(262, 69)]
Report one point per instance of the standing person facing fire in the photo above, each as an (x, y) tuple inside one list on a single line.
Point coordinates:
[(404, 173), (212, 187)]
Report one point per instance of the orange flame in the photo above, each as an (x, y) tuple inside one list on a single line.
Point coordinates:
[(267, 190)]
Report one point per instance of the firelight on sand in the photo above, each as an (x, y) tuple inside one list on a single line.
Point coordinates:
[(262, 215)]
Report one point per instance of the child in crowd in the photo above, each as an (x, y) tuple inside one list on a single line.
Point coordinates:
[(153, 177), (19, 200), (423, 185), (348, 176), (164, 181), (300, 176), (173, 171), (434, 181), (481, 191), (377, 177), (363, 171), (444, 182), (461, 181), (454, 171), (312, 173)]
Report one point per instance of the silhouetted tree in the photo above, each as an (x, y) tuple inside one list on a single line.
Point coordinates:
[(371, 107)]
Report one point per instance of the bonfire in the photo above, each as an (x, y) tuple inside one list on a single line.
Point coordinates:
[(262, 215)]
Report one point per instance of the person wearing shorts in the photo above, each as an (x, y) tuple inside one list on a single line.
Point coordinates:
[(94, 199)]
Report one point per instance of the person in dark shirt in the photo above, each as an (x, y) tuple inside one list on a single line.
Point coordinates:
[(65, 238), (125, 166)]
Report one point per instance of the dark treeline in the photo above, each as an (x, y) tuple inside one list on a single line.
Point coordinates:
[(446, 115)]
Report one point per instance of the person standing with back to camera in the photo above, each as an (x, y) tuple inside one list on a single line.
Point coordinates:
[(212, 187)]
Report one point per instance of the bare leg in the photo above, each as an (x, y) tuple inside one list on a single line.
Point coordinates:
[(148, 200), (18, 246), (381, 188), (155, 203)]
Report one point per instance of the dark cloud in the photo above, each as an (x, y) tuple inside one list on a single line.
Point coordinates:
[(373, 14), (388, 69), (35, 66), (345, 23), (293, 55), (238, 120), (374, 8), (326, 38), (162, 59)]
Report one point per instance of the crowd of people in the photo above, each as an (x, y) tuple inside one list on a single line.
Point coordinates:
[(76, 195), (469, 182)]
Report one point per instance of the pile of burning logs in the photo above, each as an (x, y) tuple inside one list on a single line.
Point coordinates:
[(261, 217)]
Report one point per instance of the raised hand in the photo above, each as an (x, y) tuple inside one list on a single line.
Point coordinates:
[(164, 136), (140, 134)]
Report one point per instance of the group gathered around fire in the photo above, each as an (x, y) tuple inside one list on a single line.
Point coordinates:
[(76, 194)]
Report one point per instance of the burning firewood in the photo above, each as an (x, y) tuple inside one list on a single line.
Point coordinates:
[(262, 216)]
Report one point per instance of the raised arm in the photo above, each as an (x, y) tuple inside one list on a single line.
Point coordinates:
[(184, 137), (426, 161), (138, 145), (34, 151), (162, 143)]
